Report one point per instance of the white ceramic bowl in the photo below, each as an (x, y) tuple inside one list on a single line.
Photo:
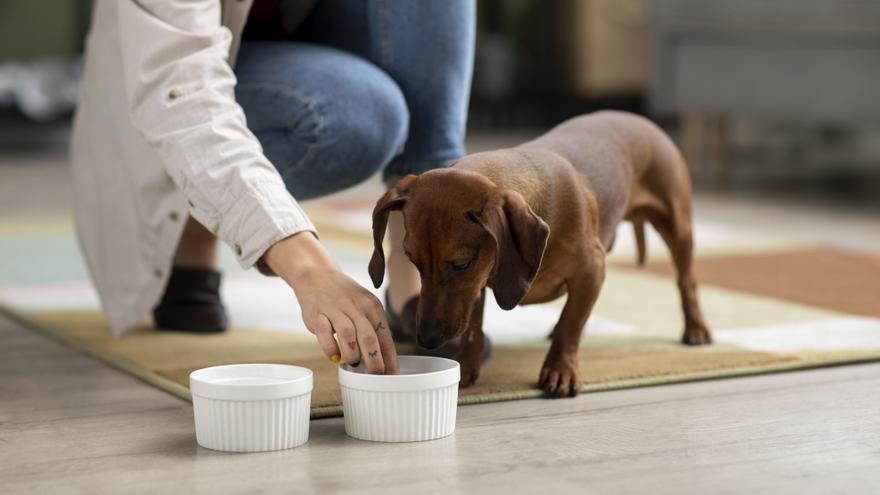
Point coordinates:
[(251, 407), (418, 404)]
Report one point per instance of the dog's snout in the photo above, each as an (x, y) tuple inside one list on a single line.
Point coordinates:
[(430, 339), (429, 334)]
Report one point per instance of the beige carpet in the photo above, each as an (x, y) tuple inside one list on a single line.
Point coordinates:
[(772, 304), (607, 362), (772, 307)]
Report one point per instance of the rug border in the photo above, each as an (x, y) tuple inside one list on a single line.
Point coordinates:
[(181, 392)]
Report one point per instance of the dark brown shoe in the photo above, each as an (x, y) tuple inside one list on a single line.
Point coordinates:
[(191, 302), (403, 331)]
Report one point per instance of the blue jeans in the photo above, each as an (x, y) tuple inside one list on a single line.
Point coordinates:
[(365, 85)]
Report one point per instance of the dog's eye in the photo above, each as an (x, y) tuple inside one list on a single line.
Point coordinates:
[(460, 267)]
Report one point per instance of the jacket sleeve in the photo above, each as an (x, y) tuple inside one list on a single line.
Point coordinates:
[(180, 92)]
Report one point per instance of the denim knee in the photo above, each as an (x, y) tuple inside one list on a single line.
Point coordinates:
[(362, 125)]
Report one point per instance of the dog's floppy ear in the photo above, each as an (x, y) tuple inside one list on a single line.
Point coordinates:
[(394, 199), (520, 238)]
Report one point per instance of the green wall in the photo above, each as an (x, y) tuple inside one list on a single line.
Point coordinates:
[(32, 29)]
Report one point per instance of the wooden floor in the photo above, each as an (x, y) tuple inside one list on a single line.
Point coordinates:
[(70, 424)]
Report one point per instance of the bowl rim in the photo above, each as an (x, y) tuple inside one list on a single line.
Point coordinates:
[(449, 375), (293, 381)]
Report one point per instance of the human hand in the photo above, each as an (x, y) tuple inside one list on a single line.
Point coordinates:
[(348, 321)]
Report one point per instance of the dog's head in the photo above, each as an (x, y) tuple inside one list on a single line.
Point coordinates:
[(462, 233)]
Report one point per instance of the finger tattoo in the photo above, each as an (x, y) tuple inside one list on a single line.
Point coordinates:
[(373, 354)]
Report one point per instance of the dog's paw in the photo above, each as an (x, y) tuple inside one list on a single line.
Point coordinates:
[(697, 335), (560, 377), (468, 377)]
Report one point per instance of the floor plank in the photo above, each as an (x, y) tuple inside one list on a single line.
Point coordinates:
[(68, 423)]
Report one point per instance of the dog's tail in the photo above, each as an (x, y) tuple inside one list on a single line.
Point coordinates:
[(639, 228)]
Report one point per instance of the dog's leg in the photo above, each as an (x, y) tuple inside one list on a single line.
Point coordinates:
[(472, 342), (675, 229), (559, 374)]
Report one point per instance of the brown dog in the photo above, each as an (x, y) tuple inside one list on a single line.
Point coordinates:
[(534, 222)]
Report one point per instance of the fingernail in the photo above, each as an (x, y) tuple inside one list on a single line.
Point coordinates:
[(336, 358)]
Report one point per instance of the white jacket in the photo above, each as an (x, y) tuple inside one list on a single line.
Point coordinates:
[(157, 136)]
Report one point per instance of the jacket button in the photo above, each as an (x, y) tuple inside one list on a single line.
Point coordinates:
[(173, 216), (238, 249), (174, 94), (157, 272)]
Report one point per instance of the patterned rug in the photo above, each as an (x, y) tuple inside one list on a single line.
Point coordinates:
[(773, 306), (166, 359)]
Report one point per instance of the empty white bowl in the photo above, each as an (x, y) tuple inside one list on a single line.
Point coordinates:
[(251, 407), (418, 404)]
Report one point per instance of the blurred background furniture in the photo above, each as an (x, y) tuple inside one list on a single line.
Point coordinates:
[(605, 42), (41, 42), (814, 62), (538, 62)]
